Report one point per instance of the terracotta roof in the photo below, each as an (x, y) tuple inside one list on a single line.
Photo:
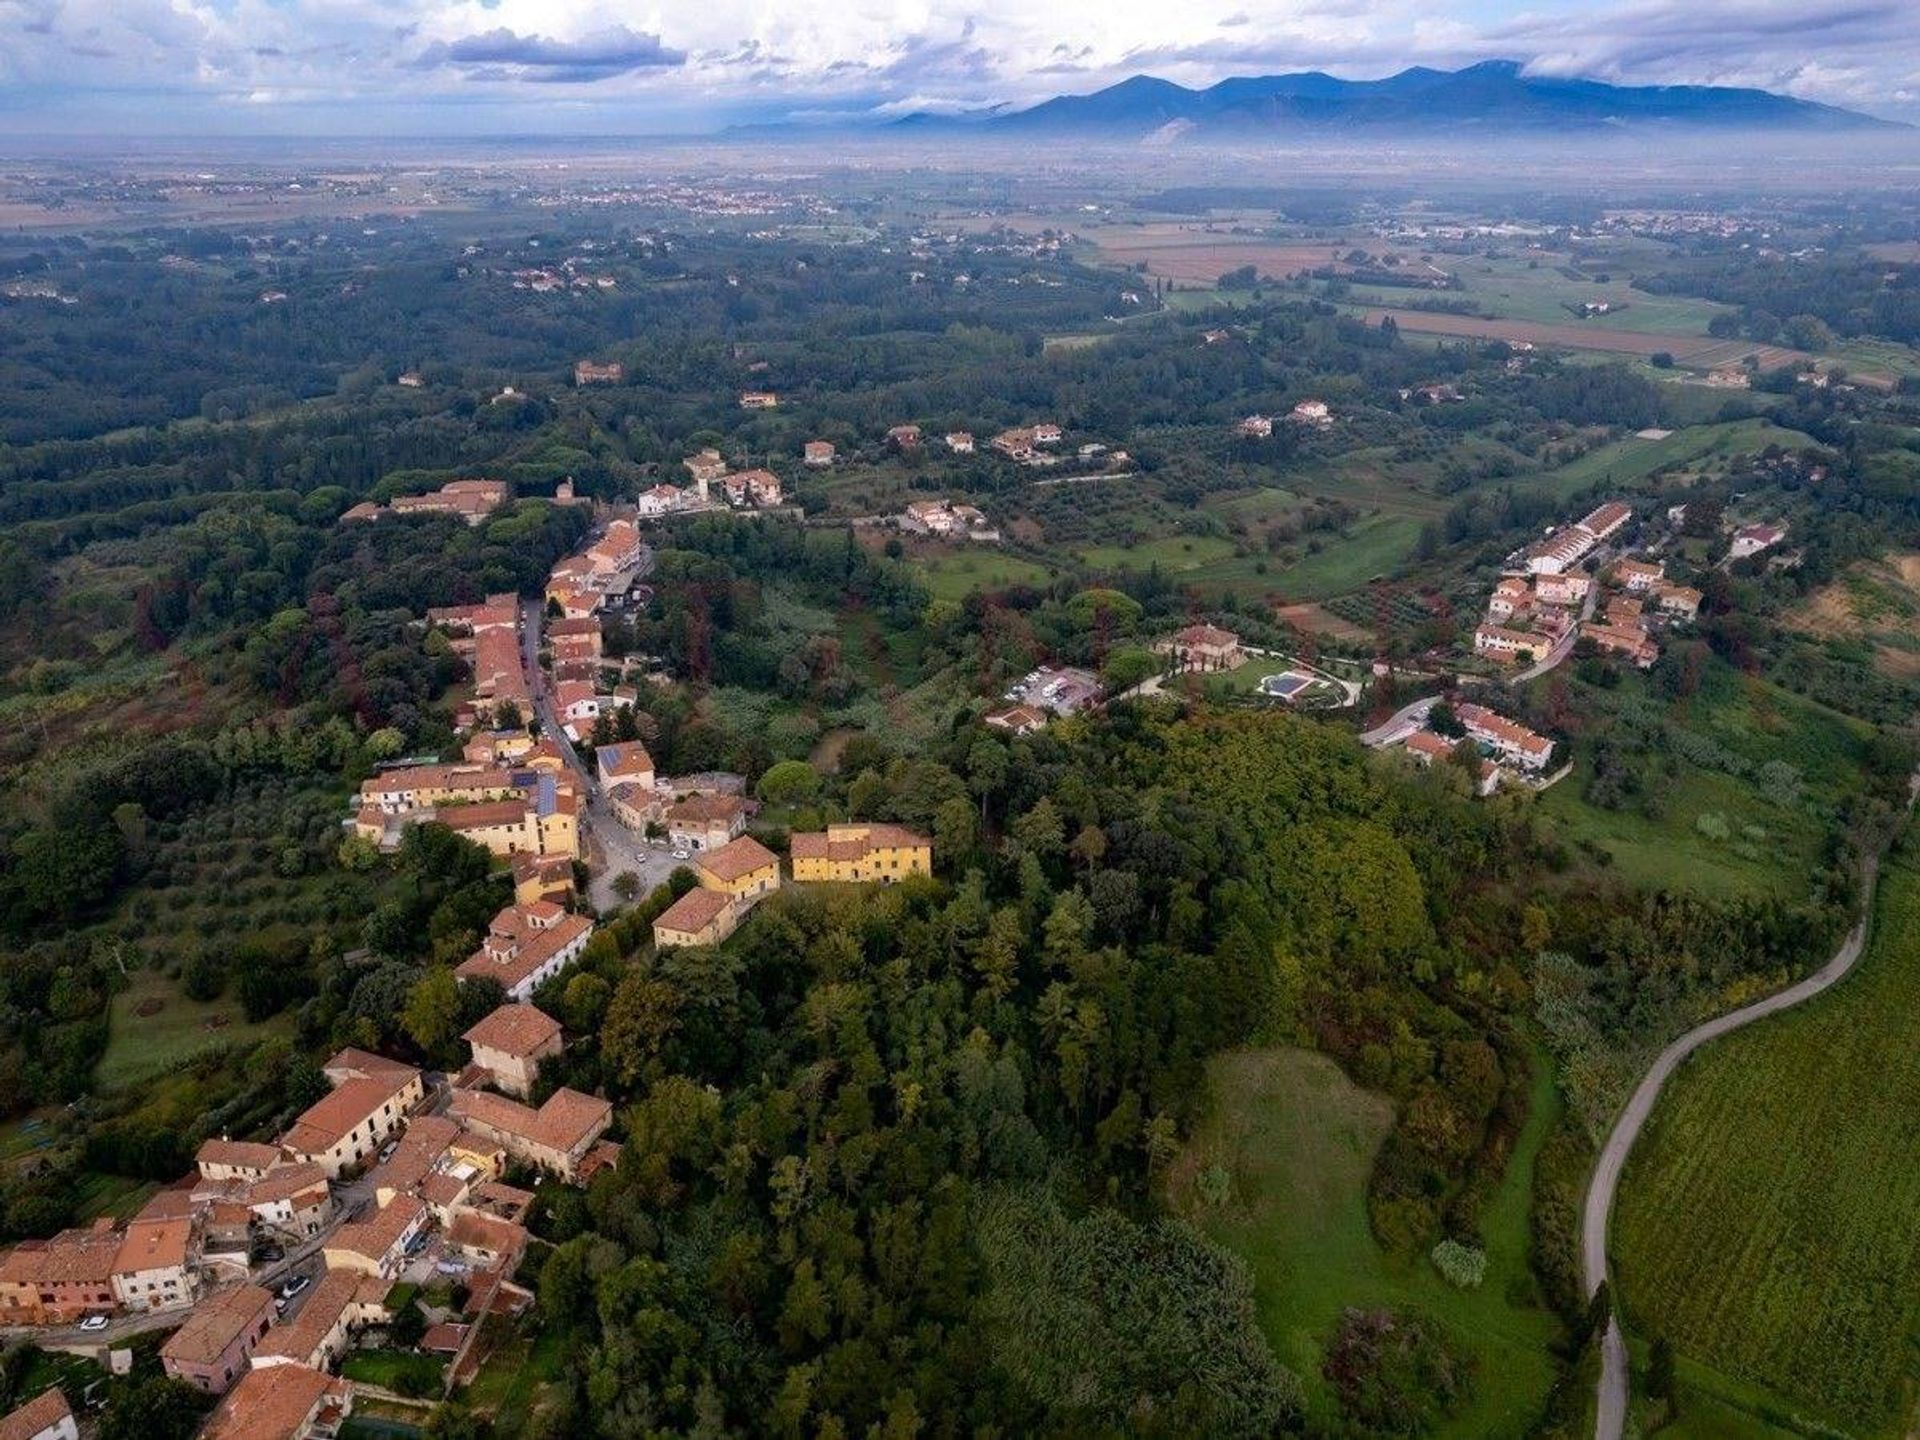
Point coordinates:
[(286, 1182), (562, 1124), (1425, 742), (273, 1402), (519, 1030), (472, 1230), (446, 1338), (529, 954), (736, 859), (693, 911), (242, 1154), (216, 1322), (1611, 513), (1478, 716), (1211, 636), (835, 843), (375, 1236), (43, 1412), (484, 815), (336, 1115), (353, 1062), (74, 1257), (153, 1245), (696, 809)]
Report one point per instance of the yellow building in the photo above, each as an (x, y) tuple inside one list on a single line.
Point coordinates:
[(699, 917), (855, 854), (743, 869)]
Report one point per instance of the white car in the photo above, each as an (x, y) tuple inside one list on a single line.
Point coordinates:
[(680, 855), (94, 1322)]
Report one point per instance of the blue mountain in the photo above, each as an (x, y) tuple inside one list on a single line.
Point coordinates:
[(1494, 96)]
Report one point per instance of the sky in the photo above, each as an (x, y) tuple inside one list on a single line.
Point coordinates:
[(590, 67)]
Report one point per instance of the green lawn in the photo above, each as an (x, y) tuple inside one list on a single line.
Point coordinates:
[(1516, 289), (1673, 852), (140, 1047), (405, 1372), (1172, 553), (509, 1384), (955, 575), (1298, 1139), (1767, 1222), (1628, 461), (1344, 563)]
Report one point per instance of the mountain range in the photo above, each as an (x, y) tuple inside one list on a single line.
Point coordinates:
[(1494, 96)]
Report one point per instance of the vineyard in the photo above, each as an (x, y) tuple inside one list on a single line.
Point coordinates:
[(1767, 1225)]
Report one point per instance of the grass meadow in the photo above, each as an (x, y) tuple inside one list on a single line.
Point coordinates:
[(1298, 1139)]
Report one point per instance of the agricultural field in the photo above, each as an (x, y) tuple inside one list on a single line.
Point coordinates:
[(1296, 1139), (152, 1028), (1875, 604), (1628, 461), (1540, 289), (1766, 1223), (1174, 554), (955, 574), (1699, 353), (1198, 255), (1327, 564)]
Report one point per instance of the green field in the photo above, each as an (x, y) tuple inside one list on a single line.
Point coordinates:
[(406, 1372), (1630, 460), (1373, 547), (1517, 289), (955, 575), (1172, 553), (1764, 842), (1767, 1223), (1298, 1139), (141, 1047), (1672, 852)]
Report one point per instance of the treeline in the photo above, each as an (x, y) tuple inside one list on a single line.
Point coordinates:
[(1804, 301)]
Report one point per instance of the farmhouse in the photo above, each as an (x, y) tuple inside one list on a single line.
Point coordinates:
[(858, 853), (705, 467), (1507, 645), (819, 454), (1679, 601), (586, 372), (1254, 427), (212, 1348), (1637, 576), (555, 1138), (1505, 738), (904, 437), (699, 917), (705, 822), (1633, 644), (348, 1124), (527, 945), (281, 1402), (1752, 539), (1202, 647), (960, 442), (508, 1045), (758, 400), (742, 869), (45, 1417), (1312, 412)]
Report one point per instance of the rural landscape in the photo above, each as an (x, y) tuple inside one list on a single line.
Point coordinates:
[(1217, 759)]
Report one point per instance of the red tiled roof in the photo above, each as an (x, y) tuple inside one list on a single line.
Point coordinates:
[(693, 911), (513, 1029), (736, 859)]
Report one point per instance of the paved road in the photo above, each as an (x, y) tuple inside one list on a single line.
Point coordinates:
[(1402, 723), (1564, 647), (1610, 1421), (618, 847)]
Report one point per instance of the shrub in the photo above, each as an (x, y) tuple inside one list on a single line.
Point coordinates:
[(1461, 1266)]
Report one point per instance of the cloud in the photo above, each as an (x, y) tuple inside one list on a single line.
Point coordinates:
[(504, 54), (733, 57)]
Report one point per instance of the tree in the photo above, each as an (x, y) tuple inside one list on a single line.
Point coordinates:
[(154, 1408), (1660, 1369), (626, 885), (1442, 719), (789, 782), (432, 1014)]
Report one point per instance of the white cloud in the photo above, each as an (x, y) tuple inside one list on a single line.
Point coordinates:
[(890, 56)]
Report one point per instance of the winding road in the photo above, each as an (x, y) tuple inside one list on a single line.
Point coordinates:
[(1610, 1418)]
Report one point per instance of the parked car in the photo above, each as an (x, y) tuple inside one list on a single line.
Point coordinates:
[(680, 854), (269, 1253), (386, 1150), (292, 1289), (94, 1322)]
